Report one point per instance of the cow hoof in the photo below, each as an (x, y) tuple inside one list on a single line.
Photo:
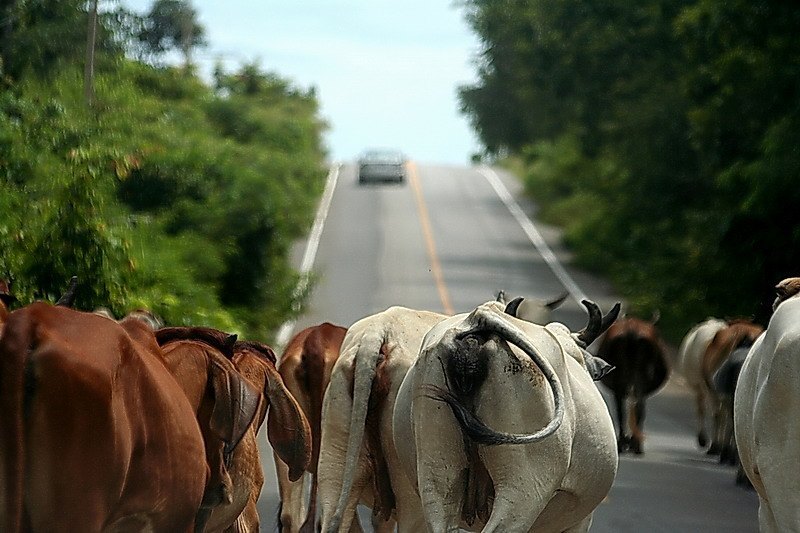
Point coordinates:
[(702, 440), (727, 457), (636, 446), (713, 449), (742, 480), (623, 444)]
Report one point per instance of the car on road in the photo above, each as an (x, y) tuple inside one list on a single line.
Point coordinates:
[(382, 165)]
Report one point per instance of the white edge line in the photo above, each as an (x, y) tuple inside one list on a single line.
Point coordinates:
[(533, 234), (287, 328)]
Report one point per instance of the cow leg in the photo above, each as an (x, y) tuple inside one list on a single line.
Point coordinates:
[(580, 527), (623, 441), (727, 453), (511, 514), (441, 461), (311, 517), (716, 442), (248, 521), (361, 482), (636, 420), (409, 515), (766, 518), (382, 526), (700, 406), (741, 478), (292, 498)]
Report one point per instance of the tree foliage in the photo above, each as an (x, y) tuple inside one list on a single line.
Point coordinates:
[(171, 25), (659, 134), (168, 194)]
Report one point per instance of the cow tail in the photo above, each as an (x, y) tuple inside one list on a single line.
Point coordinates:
[(471, 425), (16, 384), (365, 367)]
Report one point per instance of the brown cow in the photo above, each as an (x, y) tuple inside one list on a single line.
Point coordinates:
[(637, 351), (306, 366), (737, 334), (287, 430), (95, 433), (224, 402)]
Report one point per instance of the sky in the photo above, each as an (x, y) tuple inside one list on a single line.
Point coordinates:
[(386, 72)]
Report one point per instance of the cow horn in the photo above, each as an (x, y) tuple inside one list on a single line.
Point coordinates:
[(610, 318), (477, 430), (597, 322), (68, 298), (513, 306), (501, 296)]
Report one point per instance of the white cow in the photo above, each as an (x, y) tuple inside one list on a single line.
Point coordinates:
[(766, 421), (690, 364), (357, 461), (532, 385)]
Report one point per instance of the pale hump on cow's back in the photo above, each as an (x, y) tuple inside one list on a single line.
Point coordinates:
[(786, 289)]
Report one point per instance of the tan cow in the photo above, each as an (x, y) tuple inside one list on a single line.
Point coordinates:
[(95, 432), (357, 461), (690, 364), (766, 423), (305, 366), (737, 334), (484, 381)]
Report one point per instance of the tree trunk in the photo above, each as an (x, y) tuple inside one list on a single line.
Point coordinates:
[(88, 74), (187, 23)]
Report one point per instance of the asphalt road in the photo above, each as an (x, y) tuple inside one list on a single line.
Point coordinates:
[(446, 241)]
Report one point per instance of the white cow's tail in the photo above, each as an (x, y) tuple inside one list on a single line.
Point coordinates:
[(472, 426), (365, 366)]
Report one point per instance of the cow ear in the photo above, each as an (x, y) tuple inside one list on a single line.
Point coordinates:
[(287, 427), (235, 403)]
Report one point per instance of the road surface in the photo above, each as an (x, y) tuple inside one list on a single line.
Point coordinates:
[(449, 239)]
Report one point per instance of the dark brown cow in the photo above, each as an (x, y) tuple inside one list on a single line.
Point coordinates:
[(95, 432), (305, 367), (224, 402), (737, 334), (637, 351)]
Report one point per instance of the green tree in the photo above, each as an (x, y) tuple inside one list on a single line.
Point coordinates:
[(172, 25), (75, 239), (745, 93)]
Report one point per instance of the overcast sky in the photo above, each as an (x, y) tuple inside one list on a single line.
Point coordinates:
[(386, 73)]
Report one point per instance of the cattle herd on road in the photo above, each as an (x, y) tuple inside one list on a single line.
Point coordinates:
[(486, 421)]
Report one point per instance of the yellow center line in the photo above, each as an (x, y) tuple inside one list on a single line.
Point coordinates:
[(430, 244)]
